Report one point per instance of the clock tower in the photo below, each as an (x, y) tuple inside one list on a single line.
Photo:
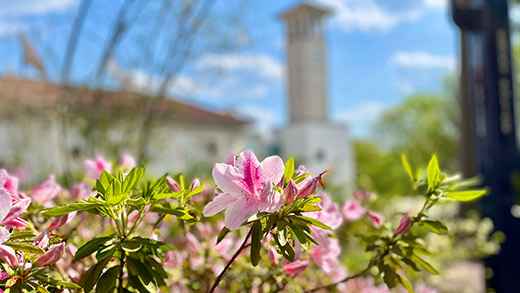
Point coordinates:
[(311, 138), (306, 63)]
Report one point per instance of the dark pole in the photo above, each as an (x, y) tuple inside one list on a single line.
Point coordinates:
[(487, 81)]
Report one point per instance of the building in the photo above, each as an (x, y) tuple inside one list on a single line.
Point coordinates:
[(310, 137), (100, 122)]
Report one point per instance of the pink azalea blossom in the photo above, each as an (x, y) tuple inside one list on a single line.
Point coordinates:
[(7, 253), (194, 184), (126, 161), (272, 255), (290, 192), (362, 195), (46, 191), (51, 256), (404, 225), (81, 191), (295, 267), (10, 183), (59, 222), (247, 188), (352, 211), (174, 186), (95, 168), (42, 240), (376, 219), (329, 214)]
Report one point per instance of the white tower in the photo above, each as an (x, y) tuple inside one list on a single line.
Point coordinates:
[(310, 137), (306, 63)]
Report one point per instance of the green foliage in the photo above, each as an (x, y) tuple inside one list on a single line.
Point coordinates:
[(117, 197)]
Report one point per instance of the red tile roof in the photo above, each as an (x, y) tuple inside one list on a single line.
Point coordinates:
[(18, 91)]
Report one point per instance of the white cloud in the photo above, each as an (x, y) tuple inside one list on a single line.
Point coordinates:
[(24, 7), (422, 60), (11, 28), (367, 15), (265, 65), (437, 4), (263, 118)]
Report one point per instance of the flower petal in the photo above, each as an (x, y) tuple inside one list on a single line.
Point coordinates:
[(5, 203), (238, 213), (229, 179), (272, 168), (4, 235), (219, 203), (270, 199), (8, 255), (17, 209)]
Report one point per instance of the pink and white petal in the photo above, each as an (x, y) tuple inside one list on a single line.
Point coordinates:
[(272, 168), (8, 255), (229, 179), (238, 213), (247, 162), (5, 203), (270, 199), (4, 235), (17, 209), (16, 223), (218, 204)]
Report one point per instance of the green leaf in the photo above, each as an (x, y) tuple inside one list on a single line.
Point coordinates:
[(465, 195), (407, 168), (77, 206), (143, 274), (390, 275), (89, 279), (133, 179), (289, 170), (179, 212), (424, 264), (222, 234), (106, 251), (160, 196), (107, 282), (195, 191), (434, 226), (315, 222), (310, 208), (90, 247), (48, 280), (256, 242), (25, 247), (298, 233), (433, 172), (406, 284), (131, 246), (117, 198), (21, 235), (153, 243)]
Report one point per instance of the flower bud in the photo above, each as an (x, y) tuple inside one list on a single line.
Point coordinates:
[(59, 222), (309, 188), (174, 186), (290, 192), (42, 240), (51, 256), (8, 255), (404, 226), (295, 267), (271, 255), (194, 184), (376, 219)]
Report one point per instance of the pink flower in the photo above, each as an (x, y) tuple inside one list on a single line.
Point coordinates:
[(46, 191), (9, 182), (352, 211), (295, 267), (18, 207), (51, 256), (59, 222), (272, 255), (326, 254), (95, 168), (290, 192), (7, 254), (376, 219), (81, 190), (42, 240), (174, 186), (362, 195), (404, 225), (247, 188), (126, 161), (194, 184), (329, 214)]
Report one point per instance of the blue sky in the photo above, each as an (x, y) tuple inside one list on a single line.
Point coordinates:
[(378, 52)]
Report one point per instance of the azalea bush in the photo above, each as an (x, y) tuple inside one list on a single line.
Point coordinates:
[(264, 226)]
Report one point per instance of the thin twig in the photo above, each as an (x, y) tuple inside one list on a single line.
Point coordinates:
[(228, 265)]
